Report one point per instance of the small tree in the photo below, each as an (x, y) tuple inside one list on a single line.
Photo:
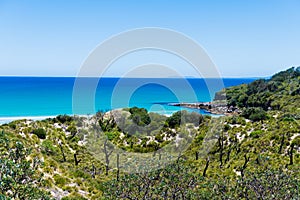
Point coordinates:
[(140, 116)]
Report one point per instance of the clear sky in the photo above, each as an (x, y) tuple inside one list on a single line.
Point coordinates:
[(243, 37)]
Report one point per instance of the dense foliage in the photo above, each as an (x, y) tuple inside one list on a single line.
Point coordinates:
[(254, 113), (19, 176), (180, 181), (280, 92)]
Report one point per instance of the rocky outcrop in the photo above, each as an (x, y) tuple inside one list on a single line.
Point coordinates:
[(219, 108)]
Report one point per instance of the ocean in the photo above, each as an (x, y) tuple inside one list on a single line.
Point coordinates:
[(50, 96)]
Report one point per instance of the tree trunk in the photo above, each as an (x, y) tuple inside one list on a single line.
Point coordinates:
[(63, 153), (206, 166), (257, 160), (93, 171), (291, 154), (107, 155), (221, 146), (228, 155), (76, 160), (281, 144), (247, 159), (118, 167)]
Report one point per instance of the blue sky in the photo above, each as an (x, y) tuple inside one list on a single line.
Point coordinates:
[(243, 38)]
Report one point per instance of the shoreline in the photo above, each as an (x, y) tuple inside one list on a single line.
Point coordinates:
[(5, 120), (8, 119)]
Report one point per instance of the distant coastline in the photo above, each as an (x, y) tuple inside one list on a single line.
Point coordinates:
[(5, 120)]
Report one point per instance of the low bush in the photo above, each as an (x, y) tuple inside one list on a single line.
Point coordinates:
[(40, 132)]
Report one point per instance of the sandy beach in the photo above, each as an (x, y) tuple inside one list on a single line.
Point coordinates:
[(4, 120)]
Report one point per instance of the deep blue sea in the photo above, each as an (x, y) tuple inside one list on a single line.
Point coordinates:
[(45, 96)]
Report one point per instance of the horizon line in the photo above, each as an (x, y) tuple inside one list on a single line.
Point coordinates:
[(188, 77)]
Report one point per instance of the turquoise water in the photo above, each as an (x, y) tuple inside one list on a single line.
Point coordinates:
[(42, 96)]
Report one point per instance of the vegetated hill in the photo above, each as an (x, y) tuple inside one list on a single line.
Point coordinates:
[(230, 157), (280, 92)]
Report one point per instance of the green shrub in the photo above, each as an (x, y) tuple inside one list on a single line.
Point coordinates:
[(254, 113), (183, 117), (69, 188), (59, 180), (40, 132), (112, 135), (174, 120), (72, 129), (256, 134), (80, 174), (159, 138), (48, 148), (12, 125), (140, 116), (226, 127), (63, 118)]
